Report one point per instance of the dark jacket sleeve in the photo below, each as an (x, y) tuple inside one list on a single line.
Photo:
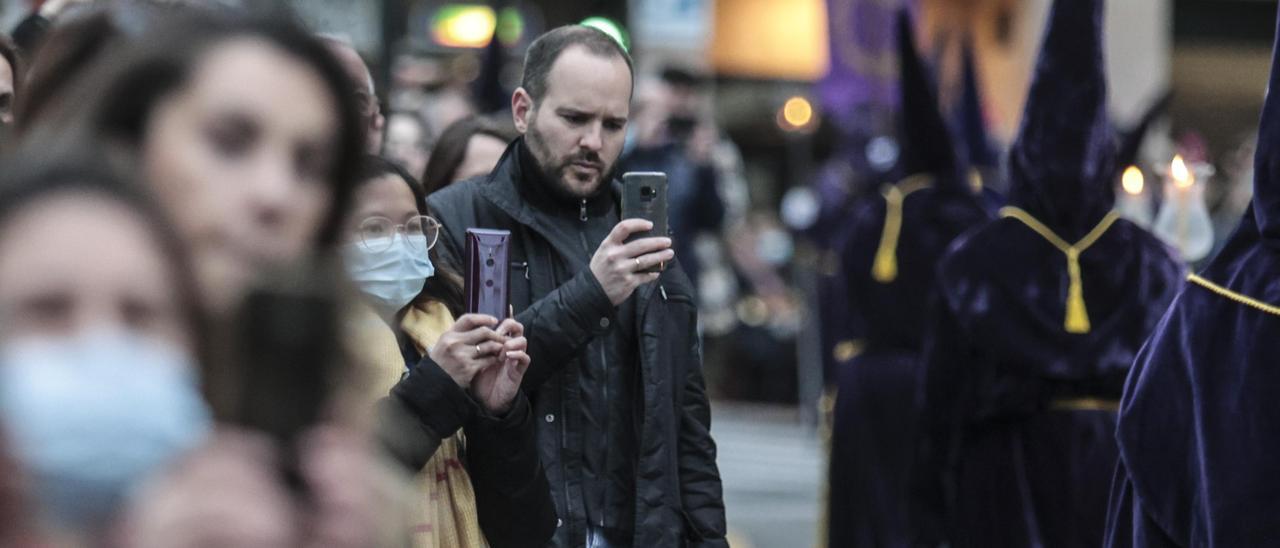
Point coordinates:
[(422, 409), (560, 324), (701, 493), (513, 498)]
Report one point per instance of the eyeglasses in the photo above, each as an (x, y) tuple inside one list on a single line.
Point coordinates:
[(378, 233)]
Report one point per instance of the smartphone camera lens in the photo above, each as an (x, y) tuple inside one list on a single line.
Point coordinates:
[(648, 192)]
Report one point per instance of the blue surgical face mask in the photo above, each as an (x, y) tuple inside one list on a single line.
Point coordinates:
[(390, 271), (91, 416)]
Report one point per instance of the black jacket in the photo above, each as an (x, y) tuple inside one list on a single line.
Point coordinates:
[(678, 492), (513, 500)]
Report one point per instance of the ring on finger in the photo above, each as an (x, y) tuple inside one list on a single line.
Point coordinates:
[(479, 351), (638, 265)]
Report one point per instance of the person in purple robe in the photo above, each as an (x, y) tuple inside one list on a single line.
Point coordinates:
[(1036, 321), (1199, 423), (888, 256)]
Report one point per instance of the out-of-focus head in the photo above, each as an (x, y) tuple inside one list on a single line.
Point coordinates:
[(408, 140), (245, 128), (683, 91), (100, 337), (362, 85), (10, 79), (572, 107), (470, 147), (58, 216)]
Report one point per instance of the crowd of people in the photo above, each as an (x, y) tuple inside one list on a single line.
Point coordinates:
[(232, 309)]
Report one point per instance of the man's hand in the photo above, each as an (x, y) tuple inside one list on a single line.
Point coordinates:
[(496, 386), (617, 265), (468, 347)]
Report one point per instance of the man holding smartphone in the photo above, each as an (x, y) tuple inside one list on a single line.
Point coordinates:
[(616, 373)]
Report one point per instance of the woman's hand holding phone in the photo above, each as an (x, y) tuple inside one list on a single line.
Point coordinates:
[(468, 347), (496, 386)]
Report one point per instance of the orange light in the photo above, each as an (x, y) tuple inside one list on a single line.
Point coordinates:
[(1182, 177), (797, 113), (1132, 180)]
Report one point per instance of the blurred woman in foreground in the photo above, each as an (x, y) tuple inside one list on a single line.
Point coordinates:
[(101, 340)]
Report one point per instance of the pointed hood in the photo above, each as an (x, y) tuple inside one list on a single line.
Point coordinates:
[(927, 146), (1266, 162), (1062, 162), (971, 122), (1131, 141)]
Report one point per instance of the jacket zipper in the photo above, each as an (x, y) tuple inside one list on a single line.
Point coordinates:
[(582, 211)]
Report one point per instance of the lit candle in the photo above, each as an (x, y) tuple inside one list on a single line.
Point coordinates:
[(1183, 221), (1134, 203)]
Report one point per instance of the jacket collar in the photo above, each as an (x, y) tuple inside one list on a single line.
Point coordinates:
[(521, 191)]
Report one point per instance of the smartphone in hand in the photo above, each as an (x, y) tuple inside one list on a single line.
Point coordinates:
[(486, 285), (644, 196)]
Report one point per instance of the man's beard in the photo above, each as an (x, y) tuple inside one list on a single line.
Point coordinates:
[(555, 172)]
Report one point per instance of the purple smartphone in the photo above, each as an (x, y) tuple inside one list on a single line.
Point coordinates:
[(487, 268)]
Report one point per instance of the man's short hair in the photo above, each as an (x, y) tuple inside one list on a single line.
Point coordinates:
[(544, 51)]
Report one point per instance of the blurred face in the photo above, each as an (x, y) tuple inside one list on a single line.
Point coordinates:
[(241, 156), (577, 129), (6, 92), (387, 197), (366, 96), (47, 291), (483, 153), (406, 143)]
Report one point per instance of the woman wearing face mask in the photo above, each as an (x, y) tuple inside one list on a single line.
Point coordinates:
[(98, 366), (466, 372), (247, 134)]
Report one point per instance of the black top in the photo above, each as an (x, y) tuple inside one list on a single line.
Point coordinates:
[(607, 376)]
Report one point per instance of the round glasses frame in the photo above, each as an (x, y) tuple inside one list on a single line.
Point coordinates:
[(377, 232)]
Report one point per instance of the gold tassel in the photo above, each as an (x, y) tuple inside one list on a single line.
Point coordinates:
[(885, 267), (1077, 321), (1077, 318)]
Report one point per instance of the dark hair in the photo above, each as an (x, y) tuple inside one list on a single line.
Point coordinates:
[(33, 174), (114, 101), (544, 51), (446, 286), (451, 149), (680, 77)]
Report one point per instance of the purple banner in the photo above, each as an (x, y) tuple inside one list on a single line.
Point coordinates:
[(864, 65)]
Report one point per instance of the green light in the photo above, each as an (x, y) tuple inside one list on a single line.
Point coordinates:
[(510, 26), (608, 26)]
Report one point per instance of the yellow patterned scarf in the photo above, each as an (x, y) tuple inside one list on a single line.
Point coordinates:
[(444, 503)]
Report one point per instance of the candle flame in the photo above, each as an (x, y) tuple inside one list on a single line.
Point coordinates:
[(1182, 177), (1132, 180)]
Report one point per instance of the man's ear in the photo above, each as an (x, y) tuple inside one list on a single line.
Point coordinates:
[(521, 109)]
